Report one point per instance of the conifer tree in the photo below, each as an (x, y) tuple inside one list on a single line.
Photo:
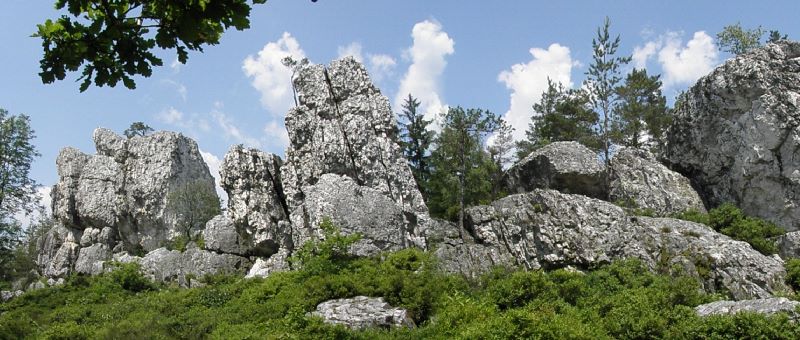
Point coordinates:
[(416, 139), (641, 112)]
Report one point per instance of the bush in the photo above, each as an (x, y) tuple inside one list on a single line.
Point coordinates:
[(730, 220), (793, 273), (130, 278)]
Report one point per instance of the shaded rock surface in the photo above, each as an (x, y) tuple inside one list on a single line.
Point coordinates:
[(362, 312), (549, 229), (187, 267), (565, 166), (735, 134), (762, 306), (789, 245), (638, 179)]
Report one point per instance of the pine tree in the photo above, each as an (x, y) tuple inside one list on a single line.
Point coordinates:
[(500, 154), (641, 111), (416, 139), (602, 78), (461, 165), (561, 115)]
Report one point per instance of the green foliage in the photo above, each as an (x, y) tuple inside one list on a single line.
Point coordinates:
[(137, 129), (416, 140), (775, 36), (730, 220), (462, 168), (115, 40), (191, 205), (602, 79), (326, 255), (622, 300), (641, 111), (736, 40), (563, 115), (178, 243), (793, 273)]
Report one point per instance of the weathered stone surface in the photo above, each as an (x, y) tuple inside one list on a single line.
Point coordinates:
[(256, 201), (183, 267), (343, 125), (354, 209), (363, 312), (789, 245), (768, 306), (278, 262), (565, 166), (736, 135), (118, 198), (7, 295), (637, 178), (548, 229), (220, 235)]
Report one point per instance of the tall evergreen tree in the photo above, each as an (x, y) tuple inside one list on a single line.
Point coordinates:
[(602, 78), (461, 165), (641, 111), (500, 152), (416, 139), (561, 115)]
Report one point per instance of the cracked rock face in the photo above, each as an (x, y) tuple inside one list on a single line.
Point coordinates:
[(639, 179), (344, 126), (116, 200), (362, 312), (762, 306), (736, 135), (549, 229), (565, 166)]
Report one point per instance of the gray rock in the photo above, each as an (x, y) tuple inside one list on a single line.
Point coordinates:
[(736, 136), (7, 295), (278, 262), (789, 245), (118, 198), (362, 312), (220, 235), (549, 229), (164, 265), (565, 166), (638, 178), (343, 125), (768, 306), (354, 209), (256, 201)]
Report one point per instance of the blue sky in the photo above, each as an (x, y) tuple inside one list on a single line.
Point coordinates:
[(494, 55)]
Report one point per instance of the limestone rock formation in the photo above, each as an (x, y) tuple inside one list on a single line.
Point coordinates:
[(362, 312), (565, 166), (735, 134), (762, 306), (548, 229), (185, 268), (116, 200), (344, 126), (638, 179), (789, 245)]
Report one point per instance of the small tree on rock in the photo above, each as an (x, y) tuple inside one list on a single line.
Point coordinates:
[(137, 129), (736, 40), (192, 204)]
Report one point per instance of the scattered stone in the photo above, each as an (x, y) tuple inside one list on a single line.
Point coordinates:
[(568, 167), (735, 134), (7, 295), (363, 312), (639, 180), (767, 306)]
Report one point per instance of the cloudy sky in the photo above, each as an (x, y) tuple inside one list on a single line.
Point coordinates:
[(492, 55)]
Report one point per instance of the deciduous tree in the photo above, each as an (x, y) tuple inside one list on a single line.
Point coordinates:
[(736, 40)]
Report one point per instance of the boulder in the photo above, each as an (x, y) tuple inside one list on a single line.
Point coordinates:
[(91, 259), (548, 229), (344, 126), (362, 312), (256, 204), (565, 166), (789, 245), (637, 179), (768, 306), (220, 235), (163, 265), (735, 134), (58, 251), (278, 262)]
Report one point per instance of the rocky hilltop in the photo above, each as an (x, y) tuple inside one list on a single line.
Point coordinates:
[(343, 163), (736, 136)]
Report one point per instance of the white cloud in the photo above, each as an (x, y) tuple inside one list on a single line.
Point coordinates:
[(428, 52), (179, 87), (680, 64), (192, 125), (352, 50), (231, 131), (214, 164), (270, 77), (528, 81), (276, 133), (642, 53), (381, 66)]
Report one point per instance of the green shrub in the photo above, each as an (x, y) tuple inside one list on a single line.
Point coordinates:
[(793, 273), (130, 278), (730, 220)]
